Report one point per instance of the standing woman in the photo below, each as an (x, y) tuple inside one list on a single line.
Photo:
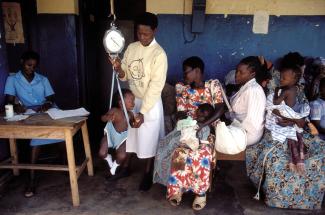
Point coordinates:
[(144, 66)]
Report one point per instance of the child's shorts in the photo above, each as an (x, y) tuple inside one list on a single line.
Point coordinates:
[(114, 138)]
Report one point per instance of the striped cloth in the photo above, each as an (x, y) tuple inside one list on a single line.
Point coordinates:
[(278, 132)]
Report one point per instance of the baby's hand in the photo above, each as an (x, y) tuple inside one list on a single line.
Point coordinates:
[(276, 112), (138, 120), (108, 117)]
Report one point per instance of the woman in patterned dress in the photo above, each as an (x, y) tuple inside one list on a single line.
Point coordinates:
[(182, 169), (267, 162)]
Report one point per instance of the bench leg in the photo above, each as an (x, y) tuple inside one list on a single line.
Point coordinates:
[(85, 138), (72, 168), (14, 154)]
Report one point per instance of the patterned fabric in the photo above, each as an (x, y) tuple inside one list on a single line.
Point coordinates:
[(166, 147), (281, 187), (267, 164), (189, 99), (190, 170), (193, 177)]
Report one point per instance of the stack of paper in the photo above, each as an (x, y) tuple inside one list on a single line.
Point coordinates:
[(55, 113)]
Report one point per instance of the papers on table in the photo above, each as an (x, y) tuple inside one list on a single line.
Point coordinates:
[(55, 113), (16, 118), (30, 112)]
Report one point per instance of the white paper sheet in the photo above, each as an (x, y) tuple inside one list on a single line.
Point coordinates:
[(16, 118), (55, 113), (261, 22), (29, 112)]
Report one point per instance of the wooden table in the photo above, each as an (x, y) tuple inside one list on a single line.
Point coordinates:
[(41, 126)]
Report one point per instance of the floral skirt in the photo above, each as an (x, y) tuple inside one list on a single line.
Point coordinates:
[(281, 187), (190, 170)]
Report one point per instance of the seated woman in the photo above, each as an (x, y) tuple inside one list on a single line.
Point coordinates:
[(249, 102), (33, 91), (189, 95), (317, 111), (267, 164)]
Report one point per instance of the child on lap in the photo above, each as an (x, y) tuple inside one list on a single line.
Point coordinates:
[(283, 105)]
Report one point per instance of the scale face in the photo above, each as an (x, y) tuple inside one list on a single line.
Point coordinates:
[(113, 41)]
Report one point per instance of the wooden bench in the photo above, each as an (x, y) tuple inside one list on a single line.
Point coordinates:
[(236, 157)]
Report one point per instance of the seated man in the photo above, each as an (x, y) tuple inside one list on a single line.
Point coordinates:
[(32, 91)]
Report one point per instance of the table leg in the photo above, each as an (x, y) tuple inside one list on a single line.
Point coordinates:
[(14, 154), (85, 139), (72, 168)]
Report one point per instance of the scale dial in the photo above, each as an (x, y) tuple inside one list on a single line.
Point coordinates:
[(113, 41)]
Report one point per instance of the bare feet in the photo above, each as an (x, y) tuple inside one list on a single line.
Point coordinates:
[(301, 168), (292, 167)]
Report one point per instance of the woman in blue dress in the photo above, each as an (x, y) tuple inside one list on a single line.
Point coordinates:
[(27, 89)]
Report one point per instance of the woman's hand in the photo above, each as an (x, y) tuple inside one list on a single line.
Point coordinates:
[(277, 112), (45, 106), (181, 115), (300, 122), (18, 108), (117, 65), (284, 122)]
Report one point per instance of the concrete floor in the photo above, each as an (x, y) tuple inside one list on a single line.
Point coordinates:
[(232, 194)]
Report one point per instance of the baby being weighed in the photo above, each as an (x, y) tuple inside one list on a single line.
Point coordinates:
[(115, 133)]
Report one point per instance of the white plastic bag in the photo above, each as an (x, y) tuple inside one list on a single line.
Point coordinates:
[(230, 139)]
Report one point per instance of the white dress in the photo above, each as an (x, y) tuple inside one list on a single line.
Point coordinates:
[(144, 140)]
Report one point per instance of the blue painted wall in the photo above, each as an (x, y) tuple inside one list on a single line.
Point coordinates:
[(227, 40), (57, 46)]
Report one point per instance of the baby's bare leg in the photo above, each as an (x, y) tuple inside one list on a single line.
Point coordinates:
[(120, 166), (292, 165), (301, 147), (103, 149), (121, 154)]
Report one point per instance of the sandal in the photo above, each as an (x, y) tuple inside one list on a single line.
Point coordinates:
[(29, 192), (176, 199), (199, 202)]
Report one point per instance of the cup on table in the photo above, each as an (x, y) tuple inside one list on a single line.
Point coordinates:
[(9, 111)]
